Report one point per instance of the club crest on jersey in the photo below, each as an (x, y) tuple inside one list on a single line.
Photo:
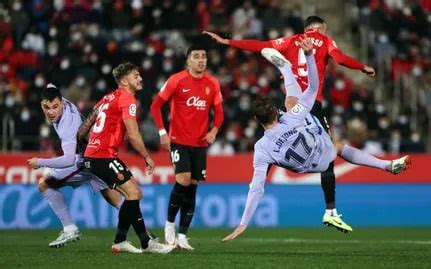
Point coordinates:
[(196, 102), (297, 109), (207, 90), (132, 110)]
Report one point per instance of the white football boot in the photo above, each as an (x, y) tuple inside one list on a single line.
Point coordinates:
[(275, 57), (155, 247), (183, 242), (400, 165), (64, 238), (125, 246)]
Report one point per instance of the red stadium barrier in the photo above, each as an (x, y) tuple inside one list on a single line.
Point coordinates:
[(234, 169)]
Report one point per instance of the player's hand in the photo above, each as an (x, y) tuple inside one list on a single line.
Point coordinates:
[(306, 44), (150, 165), (33, 163), (210, 136), (217, 38), (239, 230), (165, 142), (369, 71)]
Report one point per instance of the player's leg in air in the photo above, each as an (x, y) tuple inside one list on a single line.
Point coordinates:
[(331, 217), (359, 157), (190, 167), (293, 89), (49, 186)]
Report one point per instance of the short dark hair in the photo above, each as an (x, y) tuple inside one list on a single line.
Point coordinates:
[(122, 70), (197, 46), (264, 110), (313, 19), (50, 93)]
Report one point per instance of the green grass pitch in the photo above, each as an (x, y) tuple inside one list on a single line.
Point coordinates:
[(257, 248)]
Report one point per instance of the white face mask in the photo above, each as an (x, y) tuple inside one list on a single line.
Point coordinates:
[(44, 131), (417, 71), (39, 82), (380, 109), (383, 124), (230, 136), (17, 6), (10, 101), (80, 81), (25, 115), (101, 85), (339, 84), (167, 66), (64, 65), (358, 106), (262, 81), (106, 69), (53, 49), (147, 64), (150, 51), (415, 137), (53, 32), (4, 68)]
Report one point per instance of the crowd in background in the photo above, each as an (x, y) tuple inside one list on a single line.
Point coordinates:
[(76, 43)]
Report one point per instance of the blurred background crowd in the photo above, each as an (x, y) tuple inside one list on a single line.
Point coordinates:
[(76, 43)]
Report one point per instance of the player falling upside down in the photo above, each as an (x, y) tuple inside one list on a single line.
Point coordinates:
[(324, 49), (66, 170), (297, 141)]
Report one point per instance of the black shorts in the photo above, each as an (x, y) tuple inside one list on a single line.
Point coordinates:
[(318, 111), (111, 170), (189, 159)]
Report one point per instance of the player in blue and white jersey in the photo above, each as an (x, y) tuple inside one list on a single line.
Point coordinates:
[(297, 141), (66, 170)]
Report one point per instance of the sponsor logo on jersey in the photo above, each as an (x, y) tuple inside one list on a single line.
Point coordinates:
[(196, 102), (297, 109), (132, 110), (94, 142), (185, 90)]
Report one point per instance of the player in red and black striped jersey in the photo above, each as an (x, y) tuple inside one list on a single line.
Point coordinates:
[(192, 94), (324, 48)]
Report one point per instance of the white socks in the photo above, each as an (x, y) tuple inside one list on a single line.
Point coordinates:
[(56, 201), (331, 212)]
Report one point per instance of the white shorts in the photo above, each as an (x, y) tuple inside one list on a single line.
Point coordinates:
[(74, 176)]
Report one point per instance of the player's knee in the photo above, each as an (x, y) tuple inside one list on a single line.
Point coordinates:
[(135, 193), (42, 184), (183, 179)]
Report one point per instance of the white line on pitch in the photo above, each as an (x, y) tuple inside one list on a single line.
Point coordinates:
[(330, 241)]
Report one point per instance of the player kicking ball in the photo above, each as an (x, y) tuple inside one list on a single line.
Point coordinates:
[(297, 141)]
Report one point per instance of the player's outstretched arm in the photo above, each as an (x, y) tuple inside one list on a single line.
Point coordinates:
[(237, 232), (137, 143), (217, 38), (244, 44), (350, 62)]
